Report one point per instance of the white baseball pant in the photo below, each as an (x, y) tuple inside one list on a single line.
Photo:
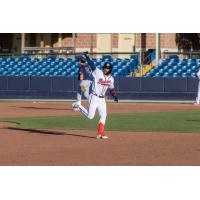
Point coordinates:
[(95, 103)]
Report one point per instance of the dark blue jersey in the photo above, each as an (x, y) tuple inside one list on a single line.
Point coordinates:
[(86, 71)]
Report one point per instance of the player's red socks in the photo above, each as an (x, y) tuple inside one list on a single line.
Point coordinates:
[(100, 129)]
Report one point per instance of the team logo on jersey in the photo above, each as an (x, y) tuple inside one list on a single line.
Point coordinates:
[(104, 82)]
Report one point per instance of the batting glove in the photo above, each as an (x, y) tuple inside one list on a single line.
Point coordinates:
[(116, 99)]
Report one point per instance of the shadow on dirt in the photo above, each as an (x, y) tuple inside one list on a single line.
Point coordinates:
[(36, 131), (42, 108)]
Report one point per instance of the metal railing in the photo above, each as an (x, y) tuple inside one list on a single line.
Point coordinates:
[(66, 54), (48, 50), (181, 55)]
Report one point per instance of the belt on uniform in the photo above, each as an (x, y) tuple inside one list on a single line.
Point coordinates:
[(100, 96)]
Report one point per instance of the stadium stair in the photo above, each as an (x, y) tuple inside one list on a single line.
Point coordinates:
[(143, 71)]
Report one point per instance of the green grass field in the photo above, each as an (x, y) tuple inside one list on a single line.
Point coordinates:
[(157, 122)]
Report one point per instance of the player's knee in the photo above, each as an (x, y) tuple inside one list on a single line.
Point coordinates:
[(86, 94), (90, 116)]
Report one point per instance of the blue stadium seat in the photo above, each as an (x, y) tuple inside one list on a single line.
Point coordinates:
[(51, 65), (17, 70), (166, 74), (115, 74), (194, 68), (1, 70), (73, 67), (193, 74), (175, 74), (30, 73), (170, 71), (72, 74), (166, 68), (189, 71), (184, 68), (171, 64), (193, 60), (184, 74), (3, 63), (157, 74), (175, 68), (161, 71), (64, 73), (181, 64)]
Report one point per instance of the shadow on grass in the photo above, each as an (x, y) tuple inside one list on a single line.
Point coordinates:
[(36, 131), (193, 120)]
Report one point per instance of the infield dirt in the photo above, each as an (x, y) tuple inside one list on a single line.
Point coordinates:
[(48, 147)]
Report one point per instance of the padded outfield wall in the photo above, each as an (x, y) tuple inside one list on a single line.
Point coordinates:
[(128, 88)]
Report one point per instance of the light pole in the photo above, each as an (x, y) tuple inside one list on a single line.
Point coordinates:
[(74, 41), (22, 42), (157, 47)]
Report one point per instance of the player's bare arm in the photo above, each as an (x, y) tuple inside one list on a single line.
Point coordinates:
[(113, 94), (81, 76)]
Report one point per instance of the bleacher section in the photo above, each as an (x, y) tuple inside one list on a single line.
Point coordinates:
[(175, 67), (54, 66)]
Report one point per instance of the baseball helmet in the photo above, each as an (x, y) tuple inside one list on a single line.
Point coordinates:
[(109, 66), (80, 59)]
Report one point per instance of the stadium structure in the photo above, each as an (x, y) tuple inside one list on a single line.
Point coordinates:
[(146, 65)]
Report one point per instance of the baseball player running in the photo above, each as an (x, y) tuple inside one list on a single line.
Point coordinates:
[(101, 81), (198, 93), (84, 81)]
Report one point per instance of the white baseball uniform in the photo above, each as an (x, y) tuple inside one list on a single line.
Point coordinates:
[(100, 84), (198, 93)]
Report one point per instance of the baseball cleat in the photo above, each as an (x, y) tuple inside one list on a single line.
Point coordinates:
[(196, 104), (75, 106), (78, 103), (102, 137)]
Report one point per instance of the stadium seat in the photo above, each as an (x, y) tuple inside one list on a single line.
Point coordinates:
[(175, 67), (184, 74), (166, 74), (193, 74), (175, 74), (50, 66)]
